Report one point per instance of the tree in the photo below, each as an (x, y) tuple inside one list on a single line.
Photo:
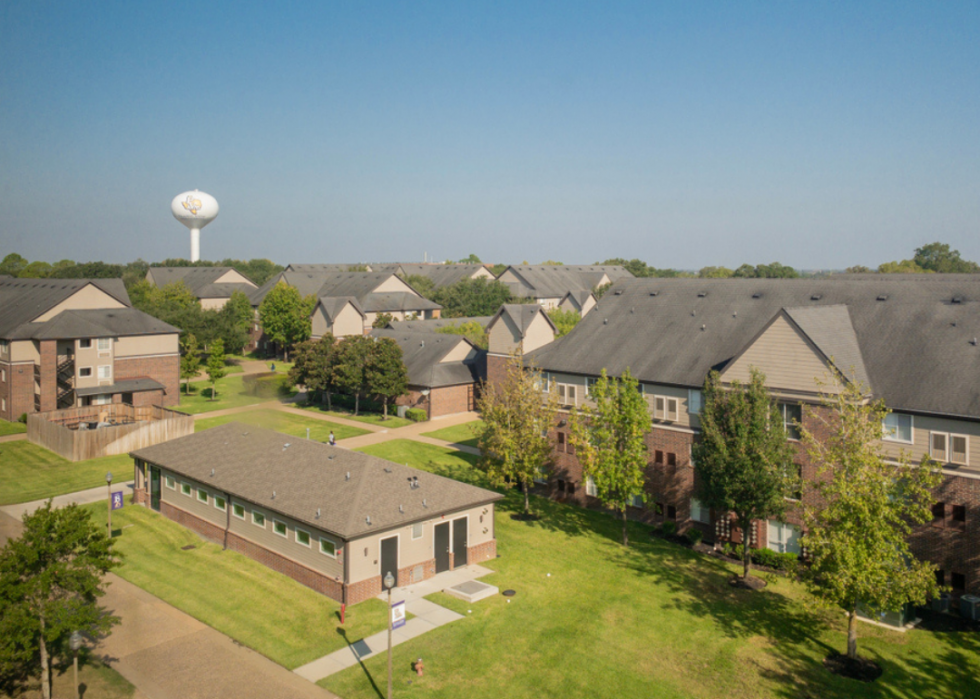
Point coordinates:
[(553, 263), (742, 461), (517, 416), (471, 330), (216, 365), (937, 257), (859, 269), (472, 297), (421, 284), (50, 583), (233, 321), (36, 270), (609, 442), (715, 273), (190, 360), (903, 267), (472, 259), (313, 366), (385, 374), (173, 303), (12, 264), (382, 320), (285, 316), (564, 320), (857, 536), (349, 360), (599, 290), (498, 269)]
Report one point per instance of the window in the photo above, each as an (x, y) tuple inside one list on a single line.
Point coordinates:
[(84, 344), (279, 527), (658, 457), (792, 417), (202, 495), (258, 519), (170, 482), (959, 448), (185, 488), (948, 448), (639, 388), (694, 402), (666, 408), (636, 500), (540, 476), (938, 446), (671, 512), (219, 503), (957, 582), (795, 472), (567, 394), (941, 577), (105, 372), (700, 513), (671, 460), (958, 519), (238, 510), (104, 344), (85, 372), (101, 399), (589, 385), (545, 382), (302, 538), (3, 375), (939, 514), (416, 531), (784, 538), (3, 403), (896, 427), (590, 488), (328, 548), (561, 441)]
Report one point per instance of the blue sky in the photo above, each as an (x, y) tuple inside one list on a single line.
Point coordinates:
[(686, 134)]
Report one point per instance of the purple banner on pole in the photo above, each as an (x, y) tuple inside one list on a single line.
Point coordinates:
[(398, 615), (117, 500)]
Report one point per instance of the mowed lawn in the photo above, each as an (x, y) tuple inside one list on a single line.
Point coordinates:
[(465, 434), (29, 472), (370, 418), (7, 427), (594, 619), (265, 610), (230, 393), (286, 423)]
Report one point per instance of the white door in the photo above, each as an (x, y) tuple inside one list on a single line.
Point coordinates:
[(784, 538)]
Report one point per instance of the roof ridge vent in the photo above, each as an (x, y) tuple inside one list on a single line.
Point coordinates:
[(654, 293), (957, 299), (757, 295), (618, 292), (882, 297), (702, 294), (816, 297)]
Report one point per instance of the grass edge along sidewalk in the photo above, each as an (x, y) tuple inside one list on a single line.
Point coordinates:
[(29, 472)]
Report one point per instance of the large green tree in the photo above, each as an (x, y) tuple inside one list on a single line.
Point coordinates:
[(385, 375), (564, 320), (857, 535), (313, 367), (51, 579), (517, 416), (349, 362), (12, 264), (609, 442), (472, 297), (285, 316), (422, 284), (938, 257), (190, 360), (215, 367), (742, 462), (470, 329)]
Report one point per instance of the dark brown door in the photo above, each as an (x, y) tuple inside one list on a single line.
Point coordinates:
[(442, 547), (459, 542), (389, 558)]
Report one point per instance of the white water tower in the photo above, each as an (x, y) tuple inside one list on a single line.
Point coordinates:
[(195, 210)]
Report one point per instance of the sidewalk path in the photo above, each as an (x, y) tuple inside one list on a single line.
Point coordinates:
[(428, 615), (13, 437), (82, 497), (414, 431)]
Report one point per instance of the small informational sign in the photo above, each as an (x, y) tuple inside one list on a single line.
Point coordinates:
[(117, 500), (398, 615)]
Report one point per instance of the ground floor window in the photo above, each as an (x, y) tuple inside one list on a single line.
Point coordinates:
[(238, 511), (170, 482), (700, 513), (328, 548), (784, 538), (590, 488), (219, 502)]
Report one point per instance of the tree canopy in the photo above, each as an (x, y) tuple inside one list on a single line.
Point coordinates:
[(564, 320), (472, 297), (471, 330), (285, 316), (385, 375)]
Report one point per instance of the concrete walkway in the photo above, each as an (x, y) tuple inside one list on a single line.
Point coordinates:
[(82, 497), (414, 431), (13, 437), (427, 616)]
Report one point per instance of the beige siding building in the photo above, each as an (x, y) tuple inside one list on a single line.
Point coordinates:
[(212, 286)]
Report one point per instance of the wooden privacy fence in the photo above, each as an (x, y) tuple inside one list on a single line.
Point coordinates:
[(132, 428)]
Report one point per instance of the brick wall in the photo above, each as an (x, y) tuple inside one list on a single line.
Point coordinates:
[(364, 590), (496, 368), (166, 370), (954, 546), (21, 378), (450, 400), (49, 369), (482, 552)]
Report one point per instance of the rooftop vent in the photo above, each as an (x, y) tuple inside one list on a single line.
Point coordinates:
[(387, 470), (632, 309), (882, 297), (425, 503), (973, 342), (957, 299), (694, 313), (703, 326), (348, 476), (605, 321), (318, 513), (401, 509), (273, 495), (702, 294), (212, 473), (757, 295), (735, 314), (368, 520), (816, 297), (654, 293), (618, 292)]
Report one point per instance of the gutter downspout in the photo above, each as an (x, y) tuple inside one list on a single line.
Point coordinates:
[(343, 586), (224, 544)]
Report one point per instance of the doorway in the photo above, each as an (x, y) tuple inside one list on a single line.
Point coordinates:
[(154, 488), (389, 558), (460, 542), (442, 547)]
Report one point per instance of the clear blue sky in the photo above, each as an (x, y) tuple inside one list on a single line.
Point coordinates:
[(686, 134)]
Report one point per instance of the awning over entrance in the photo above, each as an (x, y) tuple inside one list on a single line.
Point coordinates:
[(127, 386)]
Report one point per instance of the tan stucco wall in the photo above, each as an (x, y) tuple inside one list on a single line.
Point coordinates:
[(461, 352), (482, 273), (349, 322), (24, 351), (233, 277), (88, 297), (145, 345), (213, 304), (393, 283)]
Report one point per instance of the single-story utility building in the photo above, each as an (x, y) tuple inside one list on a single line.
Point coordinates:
[(333, 519)]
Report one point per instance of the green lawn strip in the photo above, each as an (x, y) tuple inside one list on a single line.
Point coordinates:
[(230, 394), (287, 423), (458, 434), (429, 457), (265, 610), (12, 428), (652, 620), (29, 472), (391, 423)]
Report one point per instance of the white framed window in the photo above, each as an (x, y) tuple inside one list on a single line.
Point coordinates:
[(640, 389), (84, 372), (258, 519), (416, 531), (170, 482), (220, 503), (959, 449), (590, 488), (700, 513), (693, 401), (784, 538), (545, 382), (279, 527), (185, 488), (792, 417), (590, 385), (541, 476), (897, 427), (104, 345), (3, 375), (3, 403), (636, 500), (666, 408), (567, 394), (238, 510), (949, 448), (303, 538), (202, 495), (328, 547), (105, 372)]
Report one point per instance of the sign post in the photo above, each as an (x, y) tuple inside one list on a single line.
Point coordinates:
[(398, 615)]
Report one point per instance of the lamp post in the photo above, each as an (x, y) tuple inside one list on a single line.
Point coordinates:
[(108, 485), (389, 583), (75, 642)]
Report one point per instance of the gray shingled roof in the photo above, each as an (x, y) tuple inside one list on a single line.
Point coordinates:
[(333, 305), (90, 323), (831, 330), (554, 281), (23, 300), (441, 275), (360, 285), (915, 341), (423, 353), (197, 279), (251, 462), (435, 324), (125, 386), (318, 267), (523, 314)]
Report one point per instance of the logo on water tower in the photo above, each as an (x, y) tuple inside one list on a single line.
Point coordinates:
[(192, 205)]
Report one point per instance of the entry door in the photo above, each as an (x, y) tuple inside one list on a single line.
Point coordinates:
[(389, 559), (154, 488), (459, 542), (442, 547)]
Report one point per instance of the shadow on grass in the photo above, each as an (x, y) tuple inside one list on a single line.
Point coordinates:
[(367, 673)]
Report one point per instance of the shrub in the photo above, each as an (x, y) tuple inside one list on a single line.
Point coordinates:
[(694, 535), (22, 418), (765, 557), (726, 549), (737, 551), (670, 528), (416, 415)]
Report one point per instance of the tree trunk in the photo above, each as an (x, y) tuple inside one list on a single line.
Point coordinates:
[(384, 408), (746, 559), (527, 497), (852, 633), (357, 402), (626, 536), (329, 400), (45, 666), (214, 389)]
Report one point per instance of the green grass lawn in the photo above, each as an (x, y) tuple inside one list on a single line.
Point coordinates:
[(370, 418), (11, 428), (284, 422), (458, 434), (230, 394), (29, 472), (653, 620), (266, 611)]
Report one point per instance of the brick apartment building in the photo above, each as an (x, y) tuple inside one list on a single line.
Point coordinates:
[(73, 342), (335, 520), (911, 342)]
